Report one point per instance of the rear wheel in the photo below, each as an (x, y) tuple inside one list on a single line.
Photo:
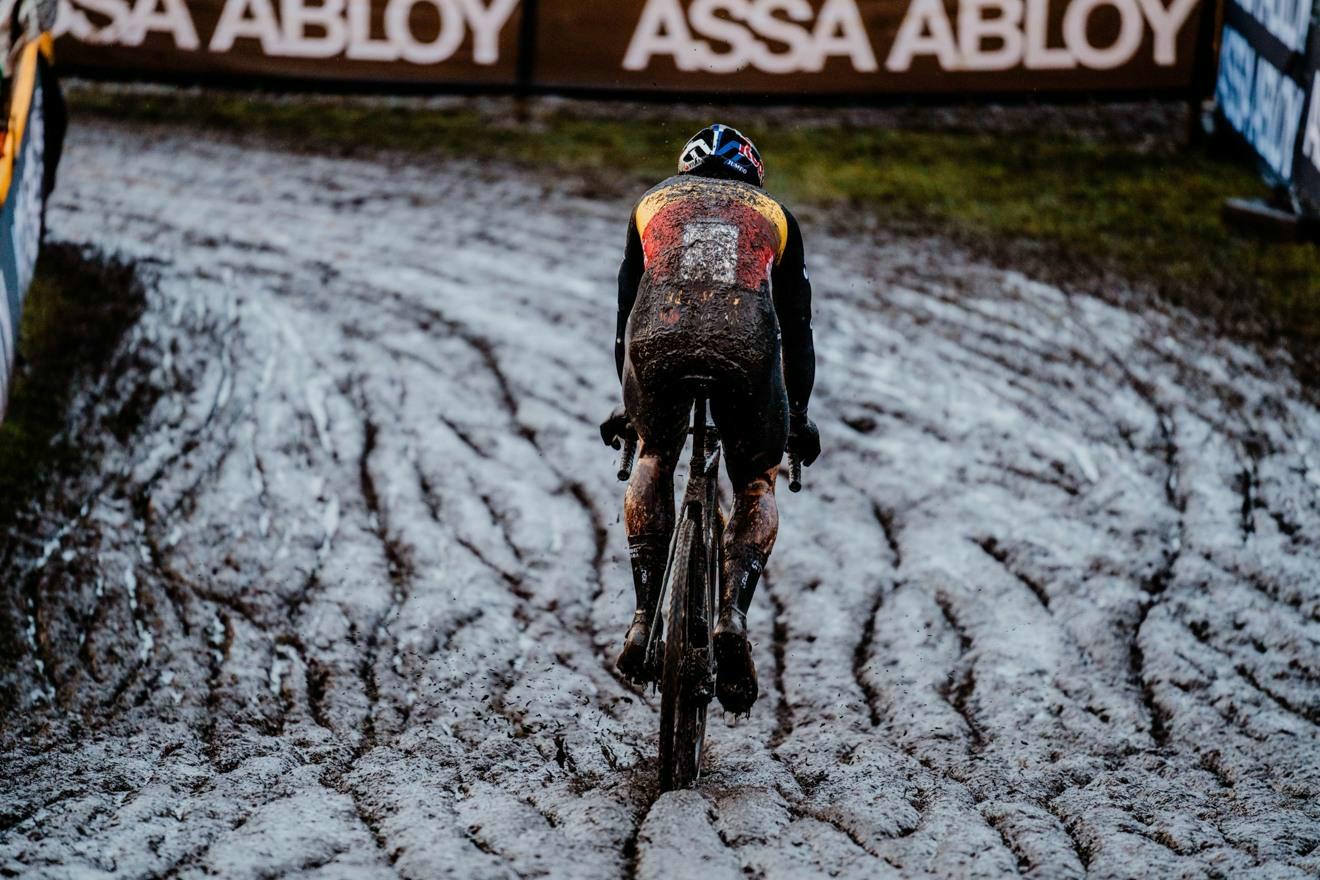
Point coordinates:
[(684, 691)]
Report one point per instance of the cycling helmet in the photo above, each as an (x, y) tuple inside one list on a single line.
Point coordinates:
[(721, 151)]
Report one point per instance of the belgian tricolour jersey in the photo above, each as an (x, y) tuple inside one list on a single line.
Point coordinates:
[(712, 233)]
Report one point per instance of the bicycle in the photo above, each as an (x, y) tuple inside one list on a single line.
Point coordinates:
[(680, 652)]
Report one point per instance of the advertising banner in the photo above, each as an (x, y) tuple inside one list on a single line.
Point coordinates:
[(442, 42), (22, 191), (808, 47), (863, 47), (1269, 60), (1306, 163)]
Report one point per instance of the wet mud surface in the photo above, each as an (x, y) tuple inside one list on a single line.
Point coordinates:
[(341, 599)]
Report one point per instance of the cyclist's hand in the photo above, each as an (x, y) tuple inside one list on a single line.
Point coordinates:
[(803, 438), (616, 427)]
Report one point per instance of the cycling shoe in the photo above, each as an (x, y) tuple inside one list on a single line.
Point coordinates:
[(735, 673), (632, 659)]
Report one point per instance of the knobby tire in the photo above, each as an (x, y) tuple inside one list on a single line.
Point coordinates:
[(682, 713)]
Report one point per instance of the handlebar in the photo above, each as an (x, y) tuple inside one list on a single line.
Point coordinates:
[(794, 473), (626, 457), (628, 454)]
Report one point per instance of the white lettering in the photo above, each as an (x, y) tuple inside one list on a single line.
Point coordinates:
[(361, 47), (1166, 23), (328, 17), (741, 25), (487, 22), (1005, 28), (704, 21), (399, 30), (662, 30), (1039, 56), (299, 28), (1288, 20), (798, 39), (925, 31), (1237, 70), (1129, 33), (1275, 113), (1264, 105), (174, 19), (714, 36), (260, 25), (1018, 34), (839, 31), (1311, 141), (72, 20)]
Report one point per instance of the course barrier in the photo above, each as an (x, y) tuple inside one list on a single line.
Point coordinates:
[(30, 144), (854, 48), (1268, 89)]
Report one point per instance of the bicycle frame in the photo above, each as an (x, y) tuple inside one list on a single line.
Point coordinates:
[(700, 497)]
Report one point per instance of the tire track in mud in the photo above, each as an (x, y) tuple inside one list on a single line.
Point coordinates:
[(1046, 608)]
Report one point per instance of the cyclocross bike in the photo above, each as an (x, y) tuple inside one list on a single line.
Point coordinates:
[(680, 654)]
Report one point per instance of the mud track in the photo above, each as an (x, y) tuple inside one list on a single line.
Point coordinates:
[(343, 604)]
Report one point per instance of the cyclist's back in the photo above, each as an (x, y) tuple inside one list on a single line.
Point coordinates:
[(713, 290), (703, 307)]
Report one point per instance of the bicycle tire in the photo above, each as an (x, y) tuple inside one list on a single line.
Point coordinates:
[(682, 714)]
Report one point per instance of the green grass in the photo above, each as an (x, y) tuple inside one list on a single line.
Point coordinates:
[(1070, 208)]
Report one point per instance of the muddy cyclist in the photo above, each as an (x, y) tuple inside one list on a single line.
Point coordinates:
[(713, 291)]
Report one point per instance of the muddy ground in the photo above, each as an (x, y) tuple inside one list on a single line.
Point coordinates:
[(336, 590)]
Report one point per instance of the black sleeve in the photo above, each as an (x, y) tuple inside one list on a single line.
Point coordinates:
[(791, 289), (630, 275)]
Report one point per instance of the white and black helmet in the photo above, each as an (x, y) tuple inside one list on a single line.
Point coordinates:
[(727, 151)]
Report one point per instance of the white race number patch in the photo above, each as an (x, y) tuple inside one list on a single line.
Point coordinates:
[(710, 253)]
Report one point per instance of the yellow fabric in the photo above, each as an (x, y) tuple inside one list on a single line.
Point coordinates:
[(25, 82), (767, 207)]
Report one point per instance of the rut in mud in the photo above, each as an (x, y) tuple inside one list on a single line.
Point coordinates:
[(344, 603)]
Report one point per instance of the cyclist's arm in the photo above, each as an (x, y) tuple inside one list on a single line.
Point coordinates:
[(630, 275), (792, 295)]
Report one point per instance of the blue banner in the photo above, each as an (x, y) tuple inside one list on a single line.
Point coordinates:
[(1306, 165), (1269, 67)]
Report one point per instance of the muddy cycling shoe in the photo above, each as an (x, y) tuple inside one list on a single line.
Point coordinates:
[(735, 673), (632, 659)]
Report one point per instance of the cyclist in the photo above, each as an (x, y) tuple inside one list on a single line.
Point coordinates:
[(714, 289)]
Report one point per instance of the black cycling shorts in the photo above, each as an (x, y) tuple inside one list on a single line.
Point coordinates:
[(731, 351)]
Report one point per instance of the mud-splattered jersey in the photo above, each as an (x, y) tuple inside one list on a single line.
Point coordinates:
[(703, 232), (703, 235)]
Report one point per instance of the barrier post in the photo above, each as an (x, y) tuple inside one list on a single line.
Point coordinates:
[(527, 48), (1204, 68)]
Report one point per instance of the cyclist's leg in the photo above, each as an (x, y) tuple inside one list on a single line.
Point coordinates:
[(648, 507), (749, 536), (753, 427), (648, 514)]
